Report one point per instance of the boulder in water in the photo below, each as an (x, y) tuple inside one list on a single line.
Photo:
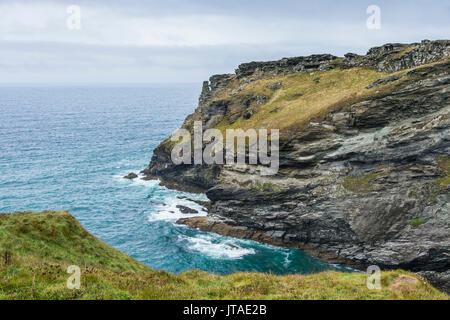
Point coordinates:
[(186, 210), (131, 176)]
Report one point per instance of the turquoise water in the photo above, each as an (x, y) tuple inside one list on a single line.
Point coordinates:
[(68, 148)]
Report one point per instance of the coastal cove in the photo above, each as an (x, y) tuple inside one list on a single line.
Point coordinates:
[(68, 148)]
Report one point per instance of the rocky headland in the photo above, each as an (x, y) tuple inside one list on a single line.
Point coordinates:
[(364, 157)]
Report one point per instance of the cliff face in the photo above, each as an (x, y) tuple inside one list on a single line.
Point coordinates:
[(364, 157)]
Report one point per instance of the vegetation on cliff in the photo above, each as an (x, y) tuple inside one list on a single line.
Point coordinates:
[(302, 97), (37, 248)]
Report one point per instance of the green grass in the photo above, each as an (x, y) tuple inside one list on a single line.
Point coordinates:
[(58, 237), (417, 223), (443, 163), (441, 184), (359, 184), (42, 245), (304, 96), (267, 187)]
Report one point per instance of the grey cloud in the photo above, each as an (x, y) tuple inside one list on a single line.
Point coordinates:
[(286, 28)]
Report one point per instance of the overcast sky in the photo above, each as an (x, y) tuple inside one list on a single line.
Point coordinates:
[(128, 42)]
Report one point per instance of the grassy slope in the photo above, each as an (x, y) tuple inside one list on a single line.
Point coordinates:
[(304, 97), (42, 245)]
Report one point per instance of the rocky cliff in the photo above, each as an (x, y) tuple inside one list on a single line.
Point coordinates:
[(364, 157)]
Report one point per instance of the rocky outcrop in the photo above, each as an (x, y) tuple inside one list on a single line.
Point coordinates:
[(186, 210), (257, 70), (131, 176), (365, 183), (395, 56)]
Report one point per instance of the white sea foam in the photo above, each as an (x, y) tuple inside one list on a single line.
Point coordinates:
[(120, 179), (287, 259), (135, 182), (227, 249), (146, 183), (168, 210)]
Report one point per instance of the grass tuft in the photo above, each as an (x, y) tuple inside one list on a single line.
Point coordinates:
[(359, 184), (417, 223)]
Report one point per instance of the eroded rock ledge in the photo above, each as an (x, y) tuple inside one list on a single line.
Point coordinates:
[(209, 224)]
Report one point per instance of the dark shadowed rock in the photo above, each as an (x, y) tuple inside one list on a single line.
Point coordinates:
[(383, 81), (205, 204), (186, 210), (131, 176)]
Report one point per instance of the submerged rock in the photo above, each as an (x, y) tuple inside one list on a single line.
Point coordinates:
[(131, 176), (205, 204), (186, 210)]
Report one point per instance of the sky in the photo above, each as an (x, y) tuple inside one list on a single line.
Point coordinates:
[(187, 41)]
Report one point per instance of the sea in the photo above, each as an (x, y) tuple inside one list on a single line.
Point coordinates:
[(68, 148)]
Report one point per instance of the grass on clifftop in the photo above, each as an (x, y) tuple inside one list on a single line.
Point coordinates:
[(308, 96), (37, 248), (305, 96)]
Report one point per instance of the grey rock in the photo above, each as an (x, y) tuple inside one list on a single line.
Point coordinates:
[(186, 210), (383, 81), (440, 280), (275, 86), (131, 176), (396, 56)]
